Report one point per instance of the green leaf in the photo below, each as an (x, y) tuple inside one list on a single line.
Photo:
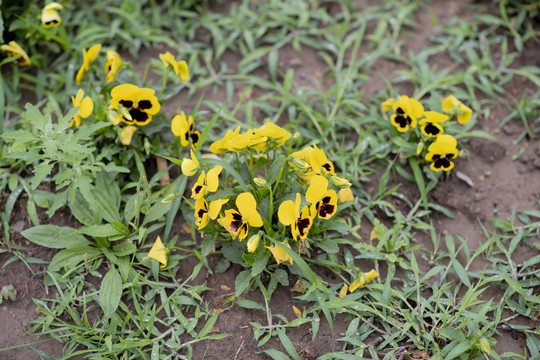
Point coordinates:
[(110, 292), (276, 354), (242, 282), (124, 248), (208, 326), (461, 348), (329, 245), (275, 169), (461, 272), (287, 344), (249, 304), (70, 258), (156, 211), (55, 237), (104, 230), (40, 172)]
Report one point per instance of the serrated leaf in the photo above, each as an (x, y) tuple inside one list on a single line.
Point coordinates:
[(40, 172), (55, 237), (110, 292)]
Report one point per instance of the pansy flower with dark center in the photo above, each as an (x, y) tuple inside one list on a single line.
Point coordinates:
[(113, 65), (237, 223), (317, 161), (201, 213), (206, 183), (185, 129), (323, 200), (431, 123), (13, 49), (289, 213), (441, 152), (49, 15), (407, 111), (136, 105)]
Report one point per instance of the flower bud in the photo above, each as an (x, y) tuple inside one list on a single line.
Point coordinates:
[(300, 164), (253, 242), (340, 182), (167, 199), (260, 182)]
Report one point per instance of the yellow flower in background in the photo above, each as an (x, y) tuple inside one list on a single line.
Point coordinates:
[(237, 223), (219, 146), (430, 124), (159, 253), (136, 105), (387, 104), (180, 68), (452, 105), (113, 65), (300, 221), (86, 106), (279, 254), (127, 134), (185, 129), (345, 195), (253, 242), (323, 200), (13, 50), (206, 184), (271, 131), (88, 58), (364, 280), (49, 15), (407, 110), (441, 152), (190, 166), (201, 213)]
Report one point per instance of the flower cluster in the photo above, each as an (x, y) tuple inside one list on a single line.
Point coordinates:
[(409, 114), (303, 185)]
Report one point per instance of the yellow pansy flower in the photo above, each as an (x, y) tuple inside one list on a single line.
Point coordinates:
[(113, 65), (13, 49), (219, 147), (237, 223), (49, 15), (185, 129), (159, 253), (271, 131), (323, 200), (201, 213), (364, 280), (190, 166), (215, 207), (127, 134), (279, 254), (180, 68), (441, 152), (206, 184), (300, 221), (430, 124), (138, 105), (452, 105), (407, 111), (88, 58), (86, 106)]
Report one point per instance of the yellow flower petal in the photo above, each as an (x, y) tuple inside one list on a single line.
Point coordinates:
[(13, 49), (345, 195), (183, 71), (247, 206), (317, 188), (297, 312), (343, 291), (112, 66), (212, 179), (215, 207), (159, 253), (279, 254), (364, 280), (287, 213), (127, 134), (387, 104), (190, 166)]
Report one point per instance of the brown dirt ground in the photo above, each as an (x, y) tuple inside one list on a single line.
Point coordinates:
[(513, 184)]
